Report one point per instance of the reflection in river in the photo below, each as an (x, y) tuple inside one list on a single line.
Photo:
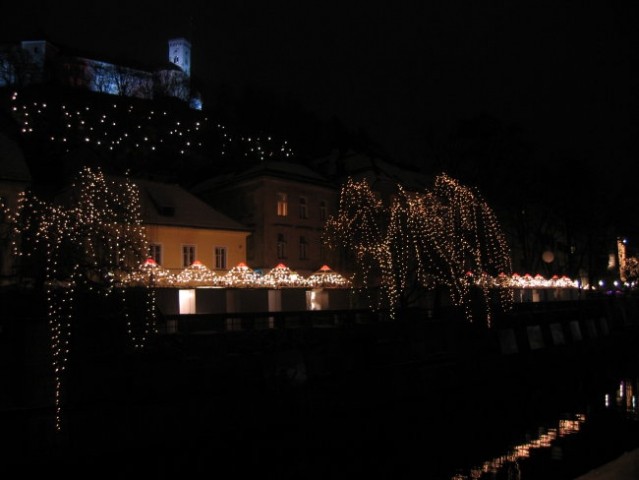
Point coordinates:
[(509, 463)]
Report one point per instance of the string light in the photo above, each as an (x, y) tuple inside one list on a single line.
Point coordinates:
[(122, 131), (149, 274), (282, 276), (87, 244), (242, 276), (425, 238), (197, 275), (325, 277)]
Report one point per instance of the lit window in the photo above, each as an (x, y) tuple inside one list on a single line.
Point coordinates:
[(220, 258), (155, 252), (281, 246), (303, 248), (303, 208), (322, 211), (187, 301), (188, 255), (282, 205)]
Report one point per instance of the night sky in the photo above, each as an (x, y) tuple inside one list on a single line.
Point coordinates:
[(562, 72)]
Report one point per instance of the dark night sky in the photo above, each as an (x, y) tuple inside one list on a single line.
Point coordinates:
[(562, 70)]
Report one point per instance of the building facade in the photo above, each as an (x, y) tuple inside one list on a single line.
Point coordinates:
[(285, 205), (34, 62), (182, 229)]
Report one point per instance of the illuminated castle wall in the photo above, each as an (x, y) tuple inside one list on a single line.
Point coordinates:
[(39, 61)]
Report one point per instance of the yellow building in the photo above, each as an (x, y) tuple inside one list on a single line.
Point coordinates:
[(181, 229), (285, 204)]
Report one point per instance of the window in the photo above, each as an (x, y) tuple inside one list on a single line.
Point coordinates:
[(282, 205), (322, 211), (187, 301), (155, 252), (303, 208), (220, 258), (188, 255), (281, 246), (303, 248)]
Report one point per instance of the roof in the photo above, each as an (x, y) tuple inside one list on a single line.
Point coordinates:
[(361, 165), (70, 52), (169, 204), (12, 164), (277, 169)]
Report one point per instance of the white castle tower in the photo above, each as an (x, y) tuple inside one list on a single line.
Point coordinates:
[(180, 54)]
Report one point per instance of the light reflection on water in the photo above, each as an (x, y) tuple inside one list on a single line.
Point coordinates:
[(625, 403), (510, 460), (626, 398)]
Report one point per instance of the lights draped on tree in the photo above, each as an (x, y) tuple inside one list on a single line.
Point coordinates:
[(424, 239), (87, 245)]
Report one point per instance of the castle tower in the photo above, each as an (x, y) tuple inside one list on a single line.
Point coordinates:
[(180, 54)]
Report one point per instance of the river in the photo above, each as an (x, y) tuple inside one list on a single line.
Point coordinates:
[(204, 408)]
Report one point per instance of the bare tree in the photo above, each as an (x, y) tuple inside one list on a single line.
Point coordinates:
[(17, 68), (172, 83), (447, 236), (85, 245)]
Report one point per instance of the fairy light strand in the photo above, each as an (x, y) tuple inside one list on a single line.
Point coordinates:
[(427, 238), (89, 241)]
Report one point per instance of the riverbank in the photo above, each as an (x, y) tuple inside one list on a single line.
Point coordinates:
[(626, 467), (335, 393)]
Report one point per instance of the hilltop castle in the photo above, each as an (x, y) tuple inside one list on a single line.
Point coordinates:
[(39, 61)]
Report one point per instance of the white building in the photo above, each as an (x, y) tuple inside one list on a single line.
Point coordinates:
[(35, 62)]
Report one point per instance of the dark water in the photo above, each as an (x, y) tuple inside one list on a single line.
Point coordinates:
[(551, 415)]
